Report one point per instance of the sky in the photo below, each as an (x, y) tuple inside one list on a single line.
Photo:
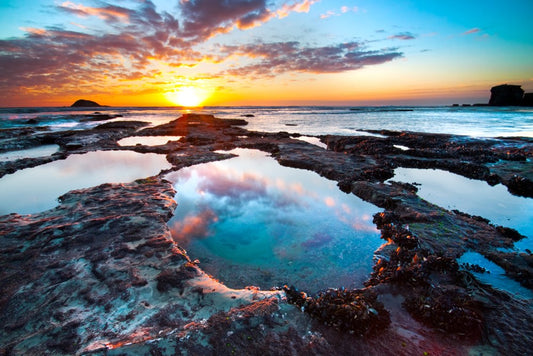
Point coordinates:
[(262, 52)]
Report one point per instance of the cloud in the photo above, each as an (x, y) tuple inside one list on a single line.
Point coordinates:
[(109, 13), (63, 61), (471, 31), (206, 18), (281, 57), (328, 13), (403, 36), (59, 61), (343, 10), (193, 226), (239, 188), (303, 6)]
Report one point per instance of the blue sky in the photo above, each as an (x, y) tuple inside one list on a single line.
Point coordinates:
[(264, 52)]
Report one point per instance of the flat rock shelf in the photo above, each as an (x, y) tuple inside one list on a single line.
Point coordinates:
[(106, 271)]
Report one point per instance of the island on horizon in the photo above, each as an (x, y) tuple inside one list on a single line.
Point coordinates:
[(83, 103)]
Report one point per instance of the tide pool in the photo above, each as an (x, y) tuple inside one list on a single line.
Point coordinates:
[(147, 140), (251, 221), (36, 189), (34, 152), (475, 197)]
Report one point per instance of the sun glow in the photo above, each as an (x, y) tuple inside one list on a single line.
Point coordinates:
[(188, 96)]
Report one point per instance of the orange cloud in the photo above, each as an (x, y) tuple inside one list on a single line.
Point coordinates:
[(193, 226), (303, 6), (108, 13), (34, 31)]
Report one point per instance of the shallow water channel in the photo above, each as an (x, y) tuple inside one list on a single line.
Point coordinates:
[(251, 221), (495, 275), (36, 189), (34, 152)]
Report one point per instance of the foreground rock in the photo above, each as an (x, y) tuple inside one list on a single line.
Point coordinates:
[(100, 271), (101, 274)]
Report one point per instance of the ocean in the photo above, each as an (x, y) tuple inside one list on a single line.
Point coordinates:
[(475, 121)]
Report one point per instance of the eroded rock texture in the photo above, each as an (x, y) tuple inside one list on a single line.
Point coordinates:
[(101, 274)]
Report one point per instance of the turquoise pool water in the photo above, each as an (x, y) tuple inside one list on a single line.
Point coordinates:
[(251, 221)]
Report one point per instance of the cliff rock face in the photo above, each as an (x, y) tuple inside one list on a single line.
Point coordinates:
[(82, 103), (527, 100), (504, 95)]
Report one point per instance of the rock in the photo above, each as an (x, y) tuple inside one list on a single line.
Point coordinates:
[(505, 95), (527, 100), (82, 103), (355, 311), (101, 273)]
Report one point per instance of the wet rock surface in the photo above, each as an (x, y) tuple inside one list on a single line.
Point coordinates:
[(101, 274)]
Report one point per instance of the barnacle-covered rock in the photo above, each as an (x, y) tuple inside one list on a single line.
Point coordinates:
[(354, 311)]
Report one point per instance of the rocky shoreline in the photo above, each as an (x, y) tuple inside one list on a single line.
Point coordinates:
[(101, 274)]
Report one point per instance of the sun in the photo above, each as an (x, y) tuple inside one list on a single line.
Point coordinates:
[(188, 96)]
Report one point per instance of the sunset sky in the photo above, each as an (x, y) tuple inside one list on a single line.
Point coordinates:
[(262, 52)]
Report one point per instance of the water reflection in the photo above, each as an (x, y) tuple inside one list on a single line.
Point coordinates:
[(495, 275), (34, 152), (474, 197), (147, 140), (36, 189), (312, 140), (251, 221)]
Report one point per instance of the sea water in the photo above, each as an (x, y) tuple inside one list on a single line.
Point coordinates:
[(482, 121)]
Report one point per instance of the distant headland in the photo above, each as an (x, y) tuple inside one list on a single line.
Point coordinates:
[(510, 95), (507, 95), (82, 103)]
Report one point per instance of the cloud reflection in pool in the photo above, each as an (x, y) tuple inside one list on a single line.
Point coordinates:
[(251, 221)]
